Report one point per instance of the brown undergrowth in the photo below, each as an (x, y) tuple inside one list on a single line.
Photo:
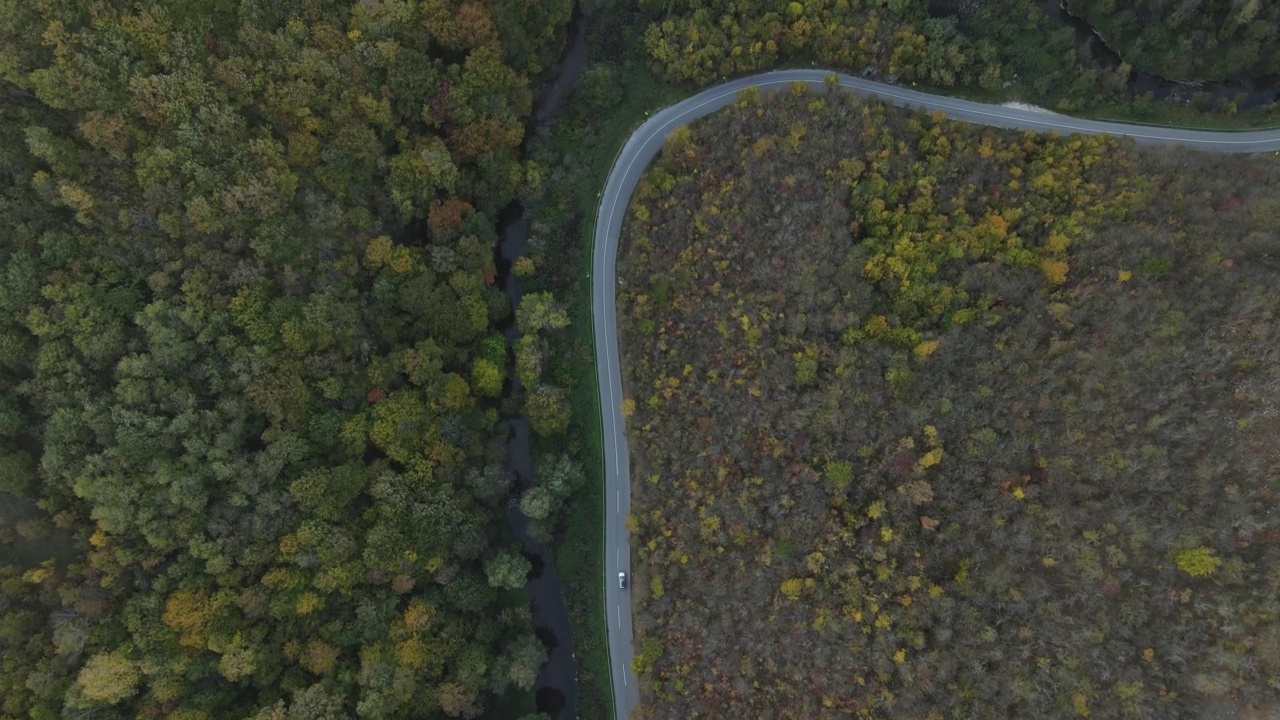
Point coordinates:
[(944, 422)]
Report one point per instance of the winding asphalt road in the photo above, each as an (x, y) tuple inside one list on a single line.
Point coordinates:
[(631, 162)]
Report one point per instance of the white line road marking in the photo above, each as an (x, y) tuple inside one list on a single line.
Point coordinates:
[(617, 557), (624, 678), (618, 496), (619, 616)]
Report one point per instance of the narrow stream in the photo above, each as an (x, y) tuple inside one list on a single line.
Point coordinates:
[(557, 683), (1248, 93), (573, 62), (28, 536), (1253, 93)]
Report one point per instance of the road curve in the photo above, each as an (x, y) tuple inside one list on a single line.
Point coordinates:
[(640, 148)]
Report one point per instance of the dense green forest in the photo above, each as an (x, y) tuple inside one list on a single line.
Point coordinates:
[(249, 365), (704, 40), (1200, 39), (935, 421), (997, 48)]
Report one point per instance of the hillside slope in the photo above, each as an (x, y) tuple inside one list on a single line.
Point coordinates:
[(935, 421)]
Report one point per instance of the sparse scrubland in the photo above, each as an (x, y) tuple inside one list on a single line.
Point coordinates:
[(935, 421)]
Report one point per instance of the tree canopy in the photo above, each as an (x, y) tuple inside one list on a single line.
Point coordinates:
[(1197, 40), (1021, 49), (931, 420), (246, 355)]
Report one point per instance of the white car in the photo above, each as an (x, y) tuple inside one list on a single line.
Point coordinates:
[(622, 581)]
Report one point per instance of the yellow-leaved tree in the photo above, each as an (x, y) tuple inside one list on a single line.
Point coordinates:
[(107, 678)]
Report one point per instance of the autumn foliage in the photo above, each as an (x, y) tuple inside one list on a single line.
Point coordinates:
[(250, 359), (938, 421)]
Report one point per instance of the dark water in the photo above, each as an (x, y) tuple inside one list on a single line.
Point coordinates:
[(29, 548), (1247, 93), (557, 683), (573, 62)]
